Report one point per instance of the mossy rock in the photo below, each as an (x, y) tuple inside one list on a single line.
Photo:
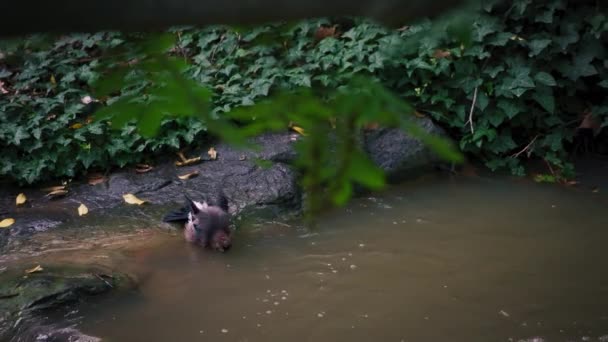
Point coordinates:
[(23, 295)]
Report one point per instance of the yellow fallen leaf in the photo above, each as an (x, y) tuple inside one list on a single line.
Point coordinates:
[(188, 175), (20, 199), (212, 153), (34, 270), (332, 122), (371, 126), (53, 188), (7, 222), (57, 193), (83, 210), (131, 199), (143, 168), (53, 80), (181, 156), (96, 178), (299, 130), (76, 125), (188, 161)]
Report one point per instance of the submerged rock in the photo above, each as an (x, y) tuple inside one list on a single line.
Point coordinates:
[(50, 333), (25, 297)]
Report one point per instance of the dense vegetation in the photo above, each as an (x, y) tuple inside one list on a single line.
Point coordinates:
[(514, 87)]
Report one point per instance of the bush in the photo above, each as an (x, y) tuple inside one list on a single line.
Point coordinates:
[(528, 69)]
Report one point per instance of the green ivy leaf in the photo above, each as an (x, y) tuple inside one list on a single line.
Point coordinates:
[(546, 100), (509, 107), (537, 46), (545, 78)]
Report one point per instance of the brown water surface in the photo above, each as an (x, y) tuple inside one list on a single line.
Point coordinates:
[(433, 260)]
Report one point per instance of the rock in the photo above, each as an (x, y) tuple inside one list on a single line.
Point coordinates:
[(25, 296), (51, 333), (397, 153), (249, 187)]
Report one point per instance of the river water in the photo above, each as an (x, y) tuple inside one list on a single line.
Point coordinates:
[(431, 260)]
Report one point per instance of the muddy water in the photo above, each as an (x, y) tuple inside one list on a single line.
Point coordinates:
[(452, 260)]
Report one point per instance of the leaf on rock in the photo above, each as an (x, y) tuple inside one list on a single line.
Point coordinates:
[(53, 188), (212, 153), (298, 129), (20, 199), (143, 168), (188, 161), (38, 268), (131, 199), (7, 222), (82, 210), (57, 193), (96, 178), (188, 175)]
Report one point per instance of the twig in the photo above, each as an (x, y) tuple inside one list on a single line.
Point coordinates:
[(105, 281), (516, 155), (470, 121), (550, 168), (280, 224)]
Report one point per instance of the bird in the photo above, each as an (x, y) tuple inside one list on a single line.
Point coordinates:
[(206, 223)]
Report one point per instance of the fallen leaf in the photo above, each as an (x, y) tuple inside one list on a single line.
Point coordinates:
[(441, 54), (188, 161), (96, 178), (143, 168), (181, 156), (82, 210), (2, 89), (325, 32), (212, 153), (53, 80), (188, 175), (298, 129), (371, 126), (332, 122), (76, 125), (54, 188), (131, 199), (57, 193), (419, 115), (34, 270), (20, 199), (7, 222)]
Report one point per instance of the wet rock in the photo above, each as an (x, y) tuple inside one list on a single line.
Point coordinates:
[(249, 187), (397, 153), (31, 226), (23, 297), (50, 333)]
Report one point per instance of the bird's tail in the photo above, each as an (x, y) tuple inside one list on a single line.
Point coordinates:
[(180, 215)]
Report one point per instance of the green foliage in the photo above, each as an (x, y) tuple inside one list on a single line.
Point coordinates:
[(528, 70), (46, 131), (532, 68)]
